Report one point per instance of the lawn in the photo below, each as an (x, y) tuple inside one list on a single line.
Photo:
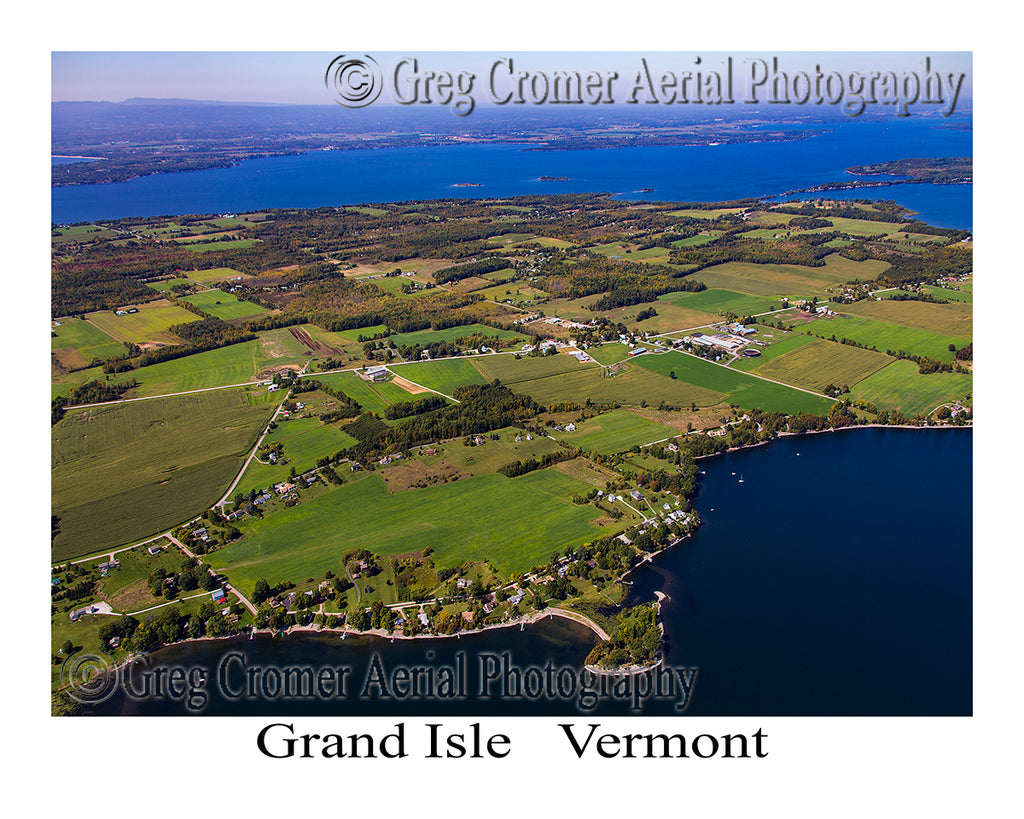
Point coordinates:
[(120, 472), (616, 431), (901, 387), (148, 325), (84, 338), (885, 335), (224, 305), (515, 523), (609, 353)]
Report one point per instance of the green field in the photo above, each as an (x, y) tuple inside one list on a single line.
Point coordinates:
[(713, 301), (901, 387), (121, 472), (372, 397), (510, 370), (616, 431), (697, 240), (213, 275), (167, 284), (234, 244), (304, 440), (780, 343), (148, 325), (961, 295), (87, 339), (816, 365), (214, 368), (424, 337), (747, 391), (947, 319), (787, 279), (515, 523), (884, 336), (704, 214), (224, 305), (444, 376), (609, 353)]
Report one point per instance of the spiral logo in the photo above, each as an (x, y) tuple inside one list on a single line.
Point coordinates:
[(90, 678), (354, 82)]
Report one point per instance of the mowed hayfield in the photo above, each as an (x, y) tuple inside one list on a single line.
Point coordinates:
[(946, 293), (901, 387), (121, 472), (787, 279), (214, 275), (884, 335), (746, 390), (304, 440), (224, 305), (443, 376), (452, 334), (149, 325), (616, 431), (779, 343), (820, 363), (85, 339), (953, 319), (715, 301), (514, 523)]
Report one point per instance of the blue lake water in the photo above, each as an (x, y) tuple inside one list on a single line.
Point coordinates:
[(676, 173), (834, 580)]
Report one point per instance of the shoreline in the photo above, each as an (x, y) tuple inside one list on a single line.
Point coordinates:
[(536, 616)]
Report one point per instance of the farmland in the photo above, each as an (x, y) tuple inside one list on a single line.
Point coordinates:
[(108, 463), (517, 523), (820, 363), (900, 386), (616, 431), (224, 305), (85, 339), (884, 335), (148, 326)]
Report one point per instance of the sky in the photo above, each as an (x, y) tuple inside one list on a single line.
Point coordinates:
[(298, 77)]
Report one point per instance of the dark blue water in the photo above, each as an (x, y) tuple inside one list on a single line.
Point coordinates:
[(678, 173), (835, 580)]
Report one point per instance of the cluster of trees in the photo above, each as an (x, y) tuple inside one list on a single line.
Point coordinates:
[(623, 283), (807, 249), (875, 212), (927, 266), (403, 409), (635, 641), (521, 467), (464, 271)]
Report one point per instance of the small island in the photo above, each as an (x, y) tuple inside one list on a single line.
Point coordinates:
[(553, 178)]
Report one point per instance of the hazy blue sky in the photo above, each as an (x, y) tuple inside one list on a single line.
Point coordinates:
[(298, 77)]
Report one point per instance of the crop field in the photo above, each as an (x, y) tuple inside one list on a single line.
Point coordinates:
[(953, 319), (120, 472), (697, 240), (616, 431), (214, 275), (149, 325), (453, 333), (233, 244), (704, 214), (740, 388), (901, 387), (304, 440), (787, 279), (631, 387), (279, 348), (516, 523), (224, 305), (488, 457), (214, 368), (372, 397), (442, 376), (816, 365), (885, 336), (779, 344), (510, 370), (342, 337), (86, 339), (713, 301)]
